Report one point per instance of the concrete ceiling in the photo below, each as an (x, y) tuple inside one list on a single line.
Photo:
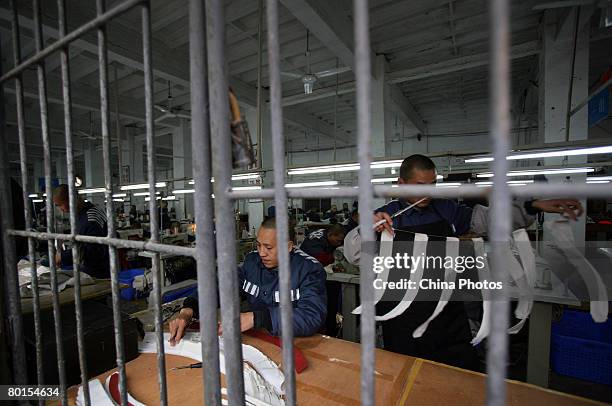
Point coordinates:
[(436, 53)]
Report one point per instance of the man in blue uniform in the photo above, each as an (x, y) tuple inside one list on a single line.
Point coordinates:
[(448, 336), (90, 221), (321, 244), (259, 285)]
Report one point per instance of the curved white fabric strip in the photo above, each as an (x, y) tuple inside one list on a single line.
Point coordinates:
[(452, 250), (485, 325), (386, 250), (262, 377), (97, 395), (419, 250), (562, 235), (527, 282)]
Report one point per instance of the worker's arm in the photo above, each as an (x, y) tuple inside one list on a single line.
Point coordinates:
[(311, 308)]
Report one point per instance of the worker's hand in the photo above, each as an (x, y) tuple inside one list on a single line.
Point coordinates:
[(388, 225), (247, 322), (570, 208), (178, 325)]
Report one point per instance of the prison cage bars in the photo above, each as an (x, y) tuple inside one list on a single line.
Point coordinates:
[(212, 157)]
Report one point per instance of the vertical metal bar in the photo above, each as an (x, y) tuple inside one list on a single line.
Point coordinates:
[(224, 207), (500, 227), (44, 124), (25, 188), (154, 216), (64, 55), (118, 125), (366, 289), (106, 155), (13, 299), (260, 105), (203, 204), (280, 199)]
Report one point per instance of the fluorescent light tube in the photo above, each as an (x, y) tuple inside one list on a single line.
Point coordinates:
[(142, 186), (311, 184), (182, 191), (92, 190), (549, 154), (34, 195), (143, 193), (120, 195), (533, 172), (247, 188), (148, 198), (597, 181), (169, 198), (599, 178), (37, 201), (118, 200)]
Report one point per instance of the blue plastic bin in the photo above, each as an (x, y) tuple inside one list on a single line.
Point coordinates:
[(581, 348), (127, 277)]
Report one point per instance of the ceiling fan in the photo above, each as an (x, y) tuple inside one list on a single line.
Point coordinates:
[(309, 78), (168, 111), (88, 135)]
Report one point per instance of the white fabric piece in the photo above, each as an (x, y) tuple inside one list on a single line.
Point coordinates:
[(263, 379), (352, 246), (562, 235), (526, 283), (419, 250), (485, 325), (386, 250), (131, 400), (527, 255), (452, 250), (97, 395)]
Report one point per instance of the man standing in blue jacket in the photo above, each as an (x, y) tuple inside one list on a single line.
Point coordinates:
[(90, 221), (259, 285)]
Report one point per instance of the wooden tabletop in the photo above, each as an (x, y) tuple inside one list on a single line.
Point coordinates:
[(332, 378)]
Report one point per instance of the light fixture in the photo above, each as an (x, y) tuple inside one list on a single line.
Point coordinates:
[(37, 201), (34, 195), (599, 178), (143, 193), (182, 191), (92, 191), (384, 180), (120, 195), (118, 200), (172, 197), (549, 154), (141, 186), (148, 198), (448, 184), (510, 182), (239, 176), (246, 188), (312, 184), (590, 182), (560, 171)]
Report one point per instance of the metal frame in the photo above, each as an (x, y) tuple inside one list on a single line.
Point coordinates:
[(212, 156)]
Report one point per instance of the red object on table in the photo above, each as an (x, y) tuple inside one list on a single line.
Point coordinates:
[(301, 363)]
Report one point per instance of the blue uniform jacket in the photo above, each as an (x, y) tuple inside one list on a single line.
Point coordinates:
[(90, 220), (259, 285), (458, 215), (316, 245)]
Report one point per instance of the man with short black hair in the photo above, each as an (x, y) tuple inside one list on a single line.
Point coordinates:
[(90, 221), (448, 336), (259, 285)]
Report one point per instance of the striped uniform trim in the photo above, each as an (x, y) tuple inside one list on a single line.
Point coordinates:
[(97, 216), (317, 234), (250, 288), (295, 295), (305, 255)]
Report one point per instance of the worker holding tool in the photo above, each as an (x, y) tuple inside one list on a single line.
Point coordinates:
[(259, 285), (448, 337)]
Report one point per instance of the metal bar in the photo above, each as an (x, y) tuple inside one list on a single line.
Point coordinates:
[(363, 76), (78, 306), (115, 242), (118, 124), (500, 223), (583, 103), (203, 204), (280, 200), (224, 207), (570, 89), (260, 102), (44, 123), (72, 36), (24, 183), (13, 300), (110, 215), (154, 216)]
